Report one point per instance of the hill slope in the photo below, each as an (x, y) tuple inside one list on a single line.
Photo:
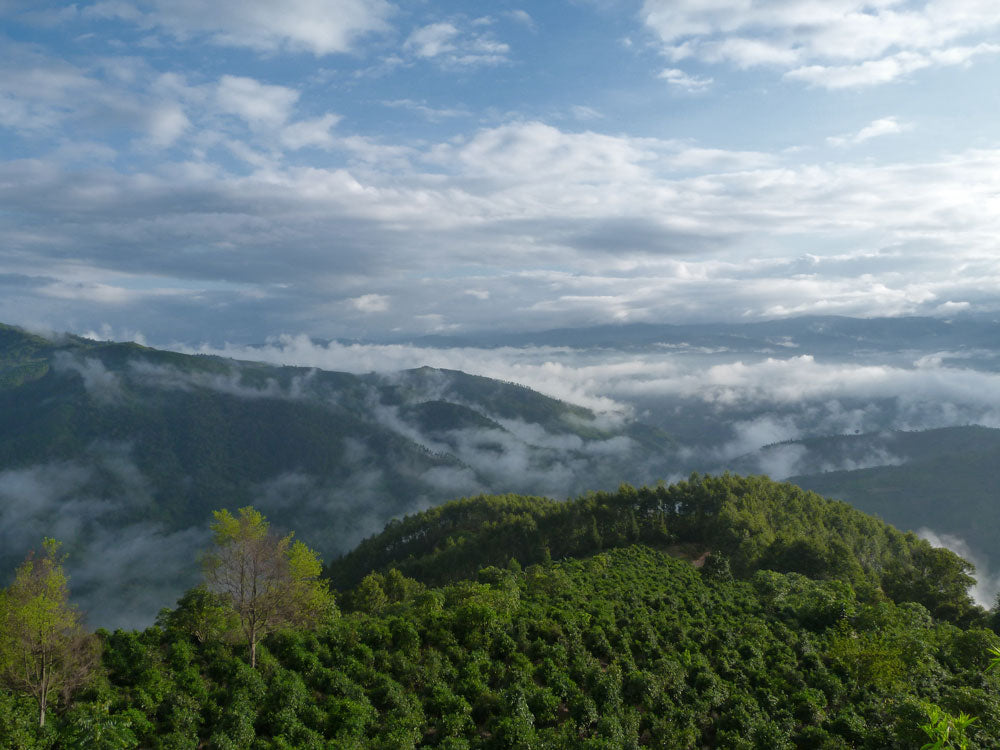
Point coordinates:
[(945, 480), (617, 645), (130, 448)]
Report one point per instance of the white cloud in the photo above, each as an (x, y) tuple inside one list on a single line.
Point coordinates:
[(167, 123), (257, 103), (320, 27), (583, 113), (447, 44), (432, 40), (875, 129), (836, 44), (307, 133), (984, 591), (680, 79), (370, 303), (433, 114), (523, 18), (610, 228)]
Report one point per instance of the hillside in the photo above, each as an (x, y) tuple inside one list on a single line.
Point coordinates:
[(944, 480), (621, 643), (752, 522), (130, 448)]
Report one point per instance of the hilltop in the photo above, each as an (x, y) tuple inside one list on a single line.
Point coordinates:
[(510, 621)]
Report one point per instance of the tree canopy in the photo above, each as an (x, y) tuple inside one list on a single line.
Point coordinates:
[(270, 581), (44, 650)]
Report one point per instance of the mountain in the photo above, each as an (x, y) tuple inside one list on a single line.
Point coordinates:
[(719, 612), (829, 334), (946, 480), (123, 451)]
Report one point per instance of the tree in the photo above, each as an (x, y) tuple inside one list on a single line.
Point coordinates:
[(44, 650), (269, 581)]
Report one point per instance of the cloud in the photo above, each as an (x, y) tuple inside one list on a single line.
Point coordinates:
[(447, 44), (433, 114), (320, 27), (432, 40), (167, 123), (886, 69), (559, 227), (987, 586), (875, 129), (371, 303), (524, 18), (102, 385), (122, 567), (255, 102), (310, 133), (233, 382), (584, 113), (846, 43), (680, 79)]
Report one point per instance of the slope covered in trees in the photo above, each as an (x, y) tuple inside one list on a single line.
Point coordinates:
[(751, 521), (946, 480), (131, 448), (618, 644)]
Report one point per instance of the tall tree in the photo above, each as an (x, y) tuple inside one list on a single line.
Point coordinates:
[(269, 580), (44, 650)]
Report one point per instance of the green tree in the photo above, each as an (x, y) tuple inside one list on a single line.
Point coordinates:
[(269, 581), (44, 650)]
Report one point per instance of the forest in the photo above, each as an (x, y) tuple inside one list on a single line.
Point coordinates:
[(725, 611)]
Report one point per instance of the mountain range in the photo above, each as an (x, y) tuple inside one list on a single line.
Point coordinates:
[(124, 451)]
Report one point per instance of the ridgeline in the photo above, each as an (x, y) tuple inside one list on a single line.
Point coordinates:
[(517, 622)]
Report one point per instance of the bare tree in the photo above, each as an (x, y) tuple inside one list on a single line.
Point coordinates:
[(270, 581), (44, 649)]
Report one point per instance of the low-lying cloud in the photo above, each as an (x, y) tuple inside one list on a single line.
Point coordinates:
[(832, 395), (987, 586), (122, 567)]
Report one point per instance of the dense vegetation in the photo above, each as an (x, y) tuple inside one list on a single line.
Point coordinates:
[(808, 625), (113, 437), (751, 521), (957, 463)]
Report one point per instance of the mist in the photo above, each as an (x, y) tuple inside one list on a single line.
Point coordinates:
[(987, 586)]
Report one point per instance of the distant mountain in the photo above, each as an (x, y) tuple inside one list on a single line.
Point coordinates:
[(946, 480), (816, 334), (123, 451)]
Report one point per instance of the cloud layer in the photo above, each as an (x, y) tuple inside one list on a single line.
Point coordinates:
[(362, 169), (835, 44)]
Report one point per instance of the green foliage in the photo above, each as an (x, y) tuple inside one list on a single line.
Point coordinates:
[(267, 581), (625, 646), (945, 731), (44, 650), (751, 522), (93, 727)]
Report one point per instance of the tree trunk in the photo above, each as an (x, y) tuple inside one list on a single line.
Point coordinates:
[(43, 697)]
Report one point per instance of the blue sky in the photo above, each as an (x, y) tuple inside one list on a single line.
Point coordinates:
[(182, 171)]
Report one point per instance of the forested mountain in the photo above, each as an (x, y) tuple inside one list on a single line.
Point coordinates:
[(945, 480), (825, 334), (123, 451), (516, 622)]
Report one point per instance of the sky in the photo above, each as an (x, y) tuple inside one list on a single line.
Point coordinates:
[(183, 171)]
